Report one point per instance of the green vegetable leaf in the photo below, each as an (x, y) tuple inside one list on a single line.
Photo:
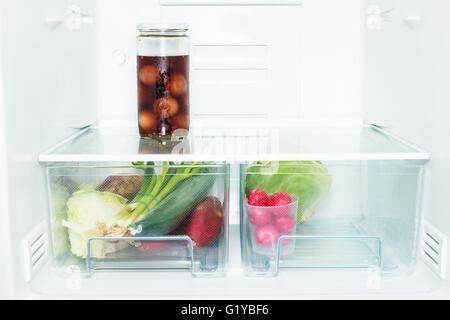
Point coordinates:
[(92, 213), (310, 181)]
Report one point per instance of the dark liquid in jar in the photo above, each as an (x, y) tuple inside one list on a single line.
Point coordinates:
[(163, 95)]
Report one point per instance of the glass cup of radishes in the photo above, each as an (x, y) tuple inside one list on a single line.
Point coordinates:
[(269, 218)]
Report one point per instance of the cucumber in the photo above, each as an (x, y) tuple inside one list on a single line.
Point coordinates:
[(173, 210)]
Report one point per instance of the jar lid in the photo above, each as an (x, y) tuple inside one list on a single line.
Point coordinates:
[(166, 26)]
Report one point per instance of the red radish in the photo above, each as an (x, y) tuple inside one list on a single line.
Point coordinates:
[(285, 224), (150, 247), (258, 198), (259, 216), (280, 204), (205, 223), (286, 242), (266, 236)]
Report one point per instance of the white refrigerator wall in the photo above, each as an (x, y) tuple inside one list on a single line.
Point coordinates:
[(49, 86), (6, 266), (406, 88), (307, 57)]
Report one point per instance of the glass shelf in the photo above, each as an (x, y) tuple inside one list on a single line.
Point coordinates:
[(123, 144)]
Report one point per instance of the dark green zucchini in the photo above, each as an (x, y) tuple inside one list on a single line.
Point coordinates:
[(177, 206)]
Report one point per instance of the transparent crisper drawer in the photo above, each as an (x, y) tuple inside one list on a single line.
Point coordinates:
[(140, 216), (351, 214)]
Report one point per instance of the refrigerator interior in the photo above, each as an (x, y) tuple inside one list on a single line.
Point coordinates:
[(70, 64)]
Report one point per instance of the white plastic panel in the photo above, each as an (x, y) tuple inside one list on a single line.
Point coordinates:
[(327, 47), (331, 59), (300, 285), (434, 249), (246, 58), (231, 57), (406, 77), (236, 145), (117, 56), (394, 68), (228, 2), (6, 265), (49, 85), (35, 250)]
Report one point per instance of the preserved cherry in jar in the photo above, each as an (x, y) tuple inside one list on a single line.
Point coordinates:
[(163, 79)]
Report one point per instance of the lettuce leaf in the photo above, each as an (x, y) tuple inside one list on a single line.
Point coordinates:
[(310, 181), (92, 213)]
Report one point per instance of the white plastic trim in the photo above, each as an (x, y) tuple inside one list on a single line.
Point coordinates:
[(218, 155), (230, 2), (401, 140), (233, 157), (73, 20), (6, 265), (64, 141)]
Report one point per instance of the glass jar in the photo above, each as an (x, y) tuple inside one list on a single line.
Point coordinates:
[(163, 79)]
